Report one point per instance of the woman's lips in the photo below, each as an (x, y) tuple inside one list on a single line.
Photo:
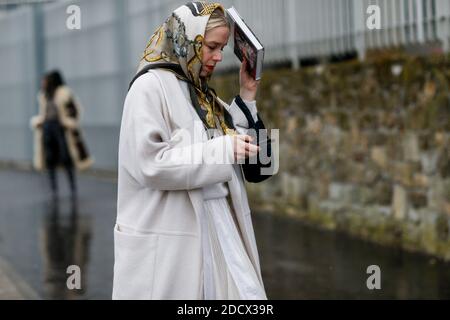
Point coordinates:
[(209, 68)]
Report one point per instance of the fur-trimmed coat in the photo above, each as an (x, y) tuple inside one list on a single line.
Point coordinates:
[(69, 116)]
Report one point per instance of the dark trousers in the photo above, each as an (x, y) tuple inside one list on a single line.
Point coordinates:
[(57, 153)]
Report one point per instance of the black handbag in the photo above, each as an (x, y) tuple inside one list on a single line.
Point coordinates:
[(253, 171)]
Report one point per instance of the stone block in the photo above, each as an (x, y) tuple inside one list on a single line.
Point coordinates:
[(414, 215), (403, 172), (378, 156), (322, 186), (394, 148), (443, 163), (293, 187), (417, 199), (341, 192), (438, 192), (363, 195), (429, 161), (313, 124), (440, 138), (356, 172), (292, 125), (446, 207), (420, 180), (411, 147), (382, 192), (399, 202)]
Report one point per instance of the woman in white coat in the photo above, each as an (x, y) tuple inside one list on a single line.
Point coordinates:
[(184, 228)]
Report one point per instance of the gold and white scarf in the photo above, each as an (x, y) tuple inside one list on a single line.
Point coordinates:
[(176, 45)]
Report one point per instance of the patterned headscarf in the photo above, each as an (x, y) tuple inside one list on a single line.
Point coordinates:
[(176, 45)]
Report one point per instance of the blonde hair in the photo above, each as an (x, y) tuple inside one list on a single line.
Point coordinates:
[(217, 19)]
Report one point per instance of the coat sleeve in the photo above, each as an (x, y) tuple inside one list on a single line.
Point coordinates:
[(38, 119), (149, 150), (71, 116), (239, 119)]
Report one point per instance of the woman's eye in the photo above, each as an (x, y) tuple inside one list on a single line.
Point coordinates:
[(213, 48)]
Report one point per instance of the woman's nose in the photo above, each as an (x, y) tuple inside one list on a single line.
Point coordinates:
[(218, 56)]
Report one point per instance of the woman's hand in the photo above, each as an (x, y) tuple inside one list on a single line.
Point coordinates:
[(36, 122), (243, 148), (248, 85)]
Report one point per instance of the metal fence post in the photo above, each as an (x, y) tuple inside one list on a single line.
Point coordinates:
[(123, 44), (291, 32), (419, 21), (443, 23), (37, 63), (359, 13)]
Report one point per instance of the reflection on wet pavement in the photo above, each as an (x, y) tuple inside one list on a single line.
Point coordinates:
[(301, 262), (65, 242), (40, 238)]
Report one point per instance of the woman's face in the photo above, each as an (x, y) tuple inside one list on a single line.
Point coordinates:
[(215, 40)]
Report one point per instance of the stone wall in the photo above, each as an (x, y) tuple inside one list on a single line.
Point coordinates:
[(364, 148)]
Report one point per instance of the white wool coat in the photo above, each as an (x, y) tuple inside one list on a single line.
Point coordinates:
[(157, 236)]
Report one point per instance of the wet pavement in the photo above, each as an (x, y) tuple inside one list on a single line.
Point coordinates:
[(39, 239)]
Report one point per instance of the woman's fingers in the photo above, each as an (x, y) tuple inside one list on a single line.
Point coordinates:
[(243, 148), (251, 147), (243, 65), (244, 137), (241, 72)]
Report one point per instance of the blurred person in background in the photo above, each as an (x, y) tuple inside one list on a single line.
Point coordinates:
[(184, 229), (57, 137)]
